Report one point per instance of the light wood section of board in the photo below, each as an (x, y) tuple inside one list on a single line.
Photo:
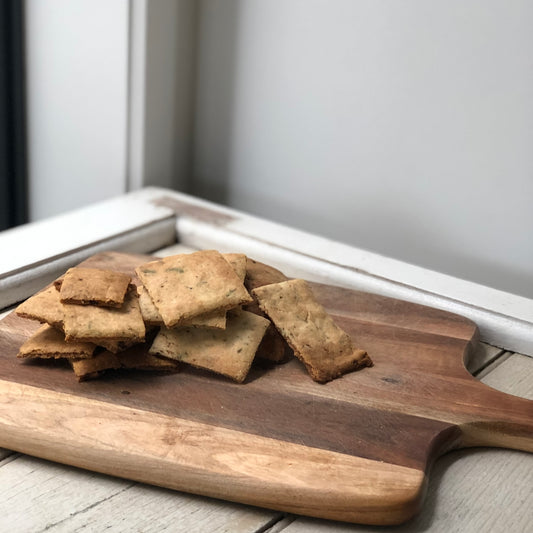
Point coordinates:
[(178, 453)]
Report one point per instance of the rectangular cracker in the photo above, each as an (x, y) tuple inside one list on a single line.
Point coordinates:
[(94, 286), (92, 368), (49, 343), (325, 349), (229, 352), (186, 285), (44, 306), (92, 323)]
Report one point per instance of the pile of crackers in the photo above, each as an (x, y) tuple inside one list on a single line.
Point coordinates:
[(214, 311)]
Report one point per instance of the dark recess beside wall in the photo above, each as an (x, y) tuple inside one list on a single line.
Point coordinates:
[(13, 182)]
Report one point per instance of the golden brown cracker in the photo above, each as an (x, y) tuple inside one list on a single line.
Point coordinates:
[(217, 319), (186, 285), (92, 323), (49, 343), (44, 306), (94, 286), (229, 352), (325, 349)]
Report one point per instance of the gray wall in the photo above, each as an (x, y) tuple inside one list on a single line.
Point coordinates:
[(405, 128)]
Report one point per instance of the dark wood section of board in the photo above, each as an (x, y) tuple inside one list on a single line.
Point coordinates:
[(406, 410)]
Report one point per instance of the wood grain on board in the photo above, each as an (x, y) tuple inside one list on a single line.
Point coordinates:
[(357, 449)]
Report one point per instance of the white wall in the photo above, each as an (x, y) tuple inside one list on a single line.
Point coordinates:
[(402, 127), (109, 98), (77, 93)]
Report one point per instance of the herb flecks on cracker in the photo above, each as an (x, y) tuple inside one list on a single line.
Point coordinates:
[(187, 285), (325, 349), (213, 319), (92, 323)]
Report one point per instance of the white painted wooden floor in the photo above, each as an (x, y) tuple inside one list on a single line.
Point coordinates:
[(478, 490)]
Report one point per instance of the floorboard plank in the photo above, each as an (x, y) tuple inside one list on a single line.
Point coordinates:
[(37, 495), (513, 375)]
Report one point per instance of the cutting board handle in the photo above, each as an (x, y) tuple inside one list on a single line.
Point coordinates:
[(505, 421)]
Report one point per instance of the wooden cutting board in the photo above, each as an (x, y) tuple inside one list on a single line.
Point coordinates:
[(357, 449)]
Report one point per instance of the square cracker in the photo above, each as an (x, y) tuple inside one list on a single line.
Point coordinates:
[(93, 324), (214, 319), (326, 350), (49, 343), (45, 306), (217, 319), (186, 285), (229, 352), (94, 286)]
